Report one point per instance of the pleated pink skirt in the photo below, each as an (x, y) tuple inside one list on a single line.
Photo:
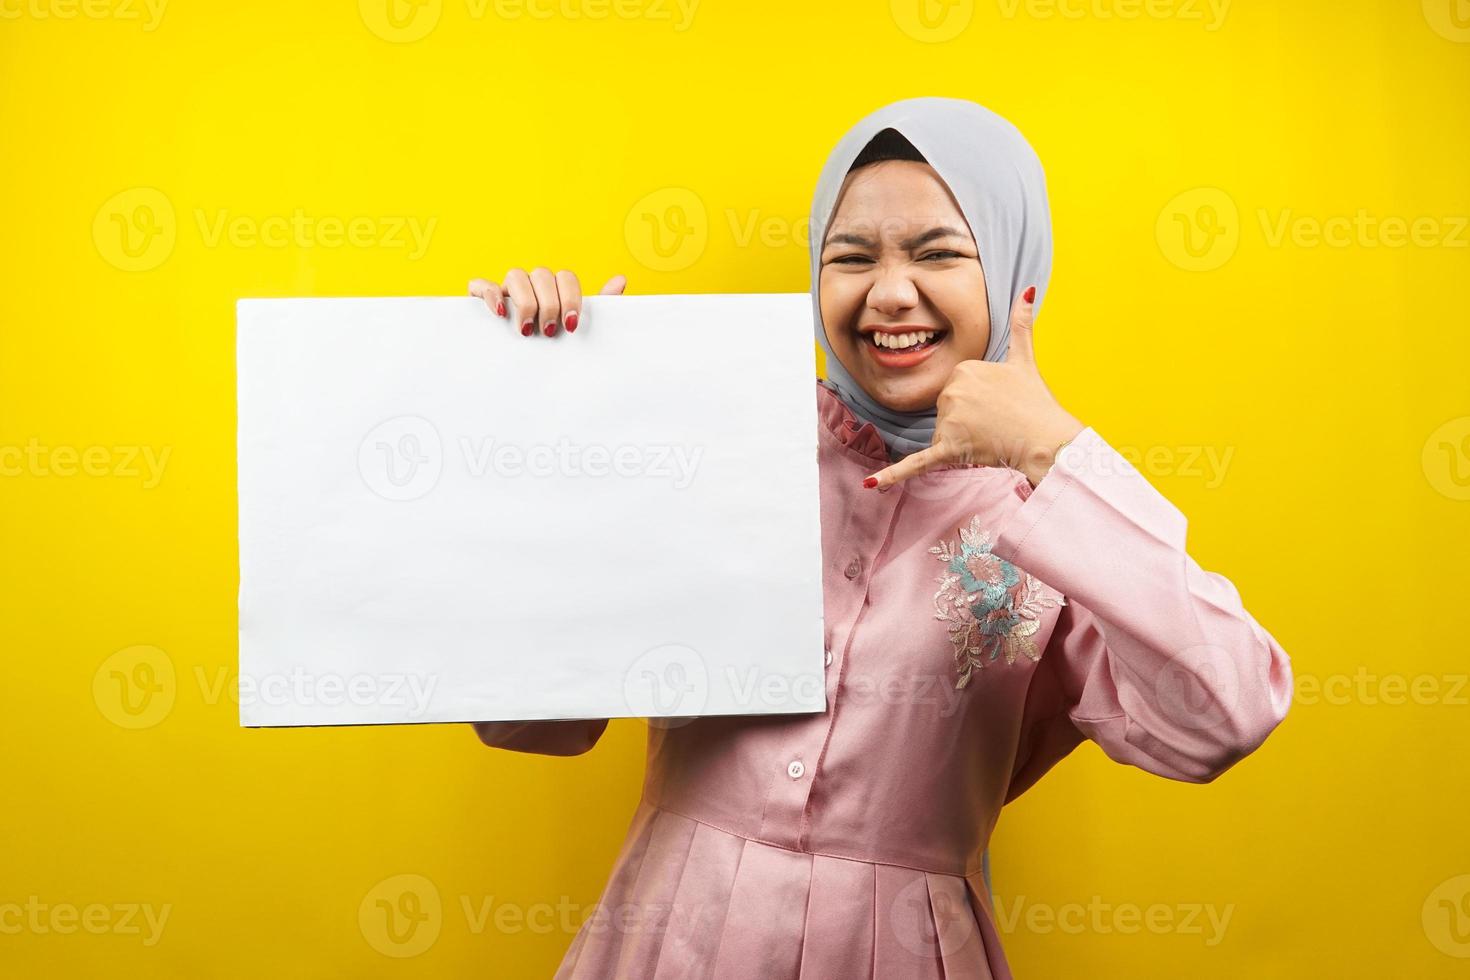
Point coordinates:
[(686, 900)]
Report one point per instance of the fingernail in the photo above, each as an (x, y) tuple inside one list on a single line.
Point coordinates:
[(870, 482), (571, 322), (1030, 294), (500, 309), (551, 328), (528, 328)]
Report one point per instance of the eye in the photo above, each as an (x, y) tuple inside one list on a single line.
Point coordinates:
[(852, 258), (942, 255)]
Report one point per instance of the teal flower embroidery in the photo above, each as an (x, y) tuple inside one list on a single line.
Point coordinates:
[(991, 606)]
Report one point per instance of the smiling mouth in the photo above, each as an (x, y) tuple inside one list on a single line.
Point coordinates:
[(905, 343)]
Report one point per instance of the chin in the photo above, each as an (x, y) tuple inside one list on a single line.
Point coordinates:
[(908, 395)]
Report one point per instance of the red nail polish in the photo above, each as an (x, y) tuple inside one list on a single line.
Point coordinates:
[(500, 309), (551, 328), (870, 482), (1030, 294), (527, 328), (571, 322)]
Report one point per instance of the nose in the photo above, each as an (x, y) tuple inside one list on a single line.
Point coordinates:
[(893, 292)]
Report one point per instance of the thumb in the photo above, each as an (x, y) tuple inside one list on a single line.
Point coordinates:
[(614, 286), (911, 465), (1023, 318)]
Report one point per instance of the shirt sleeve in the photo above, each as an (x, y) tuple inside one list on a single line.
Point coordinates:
[(1153, 658), (555, 737)]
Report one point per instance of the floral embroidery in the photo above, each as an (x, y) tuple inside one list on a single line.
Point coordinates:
[(991, 606)]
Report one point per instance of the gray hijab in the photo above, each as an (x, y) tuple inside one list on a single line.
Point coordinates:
[(998, 182)]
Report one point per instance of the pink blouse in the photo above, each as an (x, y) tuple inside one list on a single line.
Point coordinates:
[(977, 631)]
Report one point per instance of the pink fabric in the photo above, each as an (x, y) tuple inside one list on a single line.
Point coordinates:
[(866, 864)]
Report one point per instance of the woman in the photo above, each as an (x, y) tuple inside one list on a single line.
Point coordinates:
[(999, 585)]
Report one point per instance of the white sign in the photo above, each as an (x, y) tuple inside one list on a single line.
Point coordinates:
[(443, 520)]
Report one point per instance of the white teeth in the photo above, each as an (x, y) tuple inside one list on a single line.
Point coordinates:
[(901, 341)]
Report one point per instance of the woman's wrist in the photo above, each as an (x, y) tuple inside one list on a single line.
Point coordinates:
[(1047, 444)]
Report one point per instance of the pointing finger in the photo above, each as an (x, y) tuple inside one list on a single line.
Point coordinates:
[(911, 465)]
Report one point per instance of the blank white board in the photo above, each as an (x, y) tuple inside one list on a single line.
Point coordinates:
[(443, 520)]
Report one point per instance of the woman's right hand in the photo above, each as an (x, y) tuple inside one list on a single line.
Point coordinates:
[(543, 300)]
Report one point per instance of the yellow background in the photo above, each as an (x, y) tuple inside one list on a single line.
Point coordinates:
[(1329, 364)]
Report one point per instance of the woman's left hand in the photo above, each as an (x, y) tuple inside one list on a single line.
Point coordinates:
[(994, 414)]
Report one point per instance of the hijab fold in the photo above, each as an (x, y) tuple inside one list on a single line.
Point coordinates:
[(997, 180)]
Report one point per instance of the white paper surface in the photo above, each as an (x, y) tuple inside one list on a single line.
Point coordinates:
[(442, 520)]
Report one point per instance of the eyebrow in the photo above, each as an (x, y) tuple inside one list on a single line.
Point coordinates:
[(908, 244)]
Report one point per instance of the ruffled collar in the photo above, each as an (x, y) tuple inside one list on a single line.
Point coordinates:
[(862, 438)]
